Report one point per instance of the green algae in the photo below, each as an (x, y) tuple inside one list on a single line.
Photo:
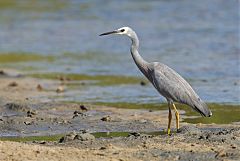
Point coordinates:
[(222, 113), (56, 138), (101, 80), (23, 57), (125, 134), (32, 138), (32, 5)]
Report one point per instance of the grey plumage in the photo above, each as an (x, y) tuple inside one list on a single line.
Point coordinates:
[(167, 82)]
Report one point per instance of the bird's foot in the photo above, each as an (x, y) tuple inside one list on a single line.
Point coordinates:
[(169, 131)]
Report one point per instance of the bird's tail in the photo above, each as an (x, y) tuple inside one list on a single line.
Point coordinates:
[(202, 108)]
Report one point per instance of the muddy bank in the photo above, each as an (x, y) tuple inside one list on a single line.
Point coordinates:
[(196, 144), (33, 126)]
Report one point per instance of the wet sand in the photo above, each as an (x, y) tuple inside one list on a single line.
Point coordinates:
[(26, 110)]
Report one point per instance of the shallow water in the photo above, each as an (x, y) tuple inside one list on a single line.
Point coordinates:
[(199, 42)]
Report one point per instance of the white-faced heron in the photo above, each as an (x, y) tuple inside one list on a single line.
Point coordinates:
[(167, 82)]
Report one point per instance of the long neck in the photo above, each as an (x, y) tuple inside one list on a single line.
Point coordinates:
[(140, 62)]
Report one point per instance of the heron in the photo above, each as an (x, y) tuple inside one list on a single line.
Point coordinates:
[(167, 82)]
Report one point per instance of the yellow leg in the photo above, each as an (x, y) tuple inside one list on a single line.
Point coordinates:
[(177, 116), (169, 119)]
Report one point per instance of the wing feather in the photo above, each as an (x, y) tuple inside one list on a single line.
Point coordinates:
[(175, 88)]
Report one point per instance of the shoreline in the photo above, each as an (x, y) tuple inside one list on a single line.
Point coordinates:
[(28, 111)]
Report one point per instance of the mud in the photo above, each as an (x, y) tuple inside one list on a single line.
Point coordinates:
[(35, 127)]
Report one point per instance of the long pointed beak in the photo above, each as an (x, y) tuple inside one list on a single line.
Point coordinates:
[(108, 33)]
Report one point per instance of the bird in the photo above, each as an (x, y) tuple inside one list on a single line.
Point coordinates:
[(166, 81)]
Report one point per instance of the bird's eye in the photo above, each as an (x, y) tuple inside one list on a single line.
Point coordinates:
[(122, 30)]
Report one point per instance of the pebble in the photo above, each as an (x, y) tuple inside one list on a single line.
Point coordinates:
[(2, 72), (31, 113), (221, 153), (142, 83), (60, 89), (82, 136), (84, 108), (13, 84), (27, 123), (69, 137), (106, 118), (78, 113), (39, 87)]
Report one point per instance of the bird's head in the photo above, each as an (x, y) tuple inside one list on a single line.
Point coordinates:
[(121, 31)]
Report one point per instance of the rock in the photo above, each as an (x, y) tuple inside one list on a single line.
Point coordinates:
[(136, 134), (85, 137), (13, 84), (106, 118), (16, 106), (2, 72), (78, 113), (60, 89), (39, 87), (191, 130), (142, 83), (139, 135), (69, 137), (28, 122), (84, 108), (221, 153), (30, 113), (82, 136)]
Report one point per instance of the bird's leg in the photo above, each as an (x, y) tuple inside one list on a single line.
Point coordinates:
[(177, 116), (169, 119)]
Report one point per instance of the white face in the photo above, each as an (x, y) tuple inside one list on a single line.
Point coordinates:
[(124, 31), (121, 31)]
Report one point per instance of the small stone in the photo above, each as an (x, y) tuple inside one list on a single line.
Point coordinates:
[(204, 80), (225, 90), (60, 89), (142, 83), (27, 123), (221, 153), (78, 113), (69, 137), (103, 148), (42, 142), (2, 72), (13, 84), (136, 134), (106, 118), (233, 146), (39, 87), (85, 137), (30, 113), (84, 108)]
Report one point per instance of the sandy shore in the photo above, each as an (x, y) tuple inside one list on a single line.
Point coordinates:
[(28, 111)]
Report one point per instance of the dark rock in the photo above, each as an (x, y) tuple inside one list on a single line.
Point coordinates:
[(39, 87), (78, 113), (2, 72), (30, 113), (106, 118), (139, 135), (82, 136), (28, 122), (191, 130), (16, 106), (84, 108), (13, 84), (85, 137), (69, 137), (142, 83)]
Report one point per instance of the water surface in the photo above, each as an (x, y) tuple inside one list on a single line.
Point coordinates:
[(199, 39)]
